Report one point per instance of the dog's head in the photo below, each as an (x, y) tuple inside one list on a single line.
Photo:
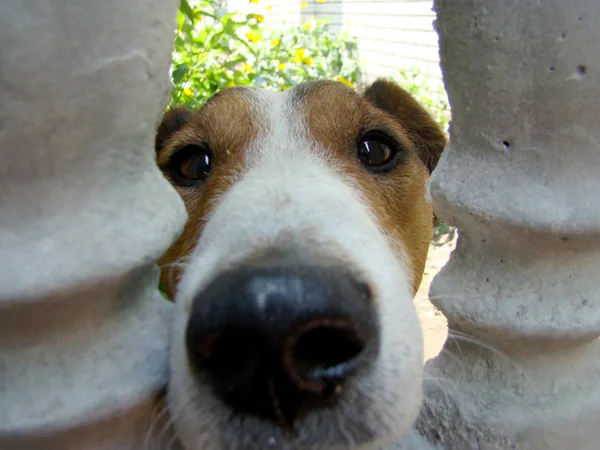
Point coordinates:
[(306, 241)]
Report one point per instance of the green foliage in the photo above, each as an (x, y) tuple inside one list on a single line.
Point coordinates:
[(215, 49), (429, 92), (442, 233)]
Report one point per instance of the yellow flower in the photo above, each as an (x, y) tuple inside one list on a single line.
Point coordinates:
[(303, 4), (300, 56), (230, 83), (252, 37), (280, 66), (187, 92), (254, 1), (247, 67), (258, 17), (345, 81), (320, 1), (275, 43), (269, 8), (306, 26), (198, 15)]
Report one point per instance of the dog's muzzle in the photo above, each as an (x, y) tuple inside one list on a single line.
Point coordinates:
[(278, 336)]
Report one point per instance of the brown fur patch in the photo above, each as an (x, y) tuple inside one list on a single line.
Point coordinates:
[(227, 124), (426, 135), (172, 121), (336, 117)]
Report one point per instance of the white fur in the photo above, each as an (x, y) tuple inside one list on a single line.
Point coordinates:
[(290, 190)]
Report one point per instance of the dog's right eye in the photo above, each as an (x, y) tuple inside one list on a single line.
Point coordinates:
[(190, 165), (378, 152)]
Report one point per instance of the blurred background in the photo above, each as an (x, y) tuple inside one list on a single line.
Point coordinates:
[(279, 43)]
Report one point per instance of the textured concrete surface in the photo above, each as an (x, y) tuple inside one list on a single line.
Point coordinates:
[(84, 214), (519, 179)]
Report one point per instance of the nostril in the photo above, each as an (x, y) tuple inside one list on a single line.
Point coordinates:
[(323, 353)]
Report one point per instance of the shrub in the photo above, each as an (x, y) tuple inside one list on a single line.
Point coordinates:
[(215, 49)]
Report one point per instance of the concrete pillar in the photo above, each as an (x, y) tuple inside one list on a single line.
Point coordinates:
[(84, 214), (520, 178)]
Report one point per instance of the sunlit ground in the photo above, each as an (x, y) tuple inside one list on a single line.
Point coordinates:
[(432, 321)]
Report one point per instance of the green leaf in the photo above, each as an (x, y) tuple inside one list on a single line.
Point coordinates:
[(234, 62), (179, 43), (186, 9), (205, 13), (201, 36), (180, 18), (229, 26), (187, 28), (219, 38), (179, 73)]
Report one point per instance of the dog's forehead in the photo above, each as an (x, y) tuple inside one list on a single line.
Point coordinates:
[(252, 122), (302, 97)]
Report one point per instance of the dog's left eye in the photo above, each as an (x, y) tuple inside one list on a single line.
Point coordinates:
[(377, 151), (190, 165)]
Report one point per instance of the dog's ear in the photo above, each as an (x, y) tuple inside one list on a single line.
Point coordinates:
[(172, 121), (426, 134)]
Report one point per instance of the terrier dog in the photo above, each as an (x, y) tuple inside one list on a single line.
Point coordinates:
[(307, 237)]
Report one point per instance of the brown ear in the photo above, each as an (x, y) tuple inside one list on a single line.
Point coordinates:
[(426, 134), (172, 121)]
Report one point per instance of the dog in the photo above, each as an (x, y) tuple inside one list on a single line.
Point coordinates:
[(293, 279)]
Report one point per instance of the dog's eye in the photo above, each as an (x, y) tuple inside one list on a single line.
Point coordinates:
[(377, 151), (196, 167), (190, 164)]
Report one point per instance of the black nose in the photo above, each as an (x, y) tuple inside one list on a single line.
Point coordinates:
[(278, 339)]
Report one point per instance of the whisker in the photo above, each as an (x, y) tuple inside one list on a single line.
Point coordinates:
[(458, 336), (174, 265), (168, 428), (443, 296), (169, 431), (173, 440), (166, 418), (456, 358), (439, 380), (179, 263), (157, 415), (182, 260)]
